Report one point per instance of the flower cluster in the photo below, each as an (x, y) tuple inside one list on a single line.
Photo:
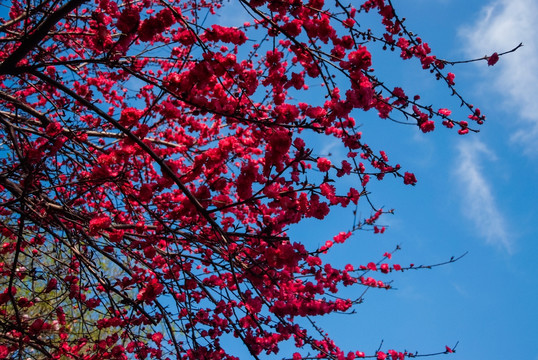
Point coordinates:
[(153, 162)]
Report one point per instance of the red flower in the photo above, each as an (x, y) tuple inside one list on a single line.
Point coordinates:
[(130, 116), (378, 230), (427, 126), (324, 164), (409, 179), (53, 129), (128, 20), (157, 337), (51, 285), (492, 60), (365, 180), (151, 291), (384, 268), (341, 237), (450, 77), (146, 193), (6, 295), (37, 326), (4, 352), (99, 223), (359, 59)]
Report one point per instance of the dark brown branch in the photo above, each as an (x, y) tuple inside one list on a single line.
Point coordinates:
[(482, 58), (8, 65)]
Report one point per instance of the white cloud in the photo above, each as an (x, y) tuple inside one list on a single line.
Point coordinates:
[(479, 204), (501, 26)]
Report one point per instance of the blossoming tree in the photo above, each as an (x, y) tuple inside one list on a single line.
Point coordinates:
[(152, 161)]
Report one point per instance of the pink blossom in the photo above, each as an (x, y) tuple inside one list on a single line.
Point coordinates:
[(450, 78), (492, 60), (150, 292), (51, 285), (384, 268), (409, 179), (324, 164), (427, 126), (99, 223), (53, 129), (157, 337)]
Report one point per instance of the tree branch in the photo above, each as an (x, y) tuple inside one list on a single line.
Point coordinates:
[(42, 31)]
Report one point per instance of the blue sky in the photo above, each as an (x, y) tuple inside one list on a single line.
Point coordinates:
[(476, 194)]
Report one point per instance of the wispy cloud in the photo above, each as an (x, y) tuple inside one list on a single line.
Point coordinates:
[(479, 204), (501, 26)]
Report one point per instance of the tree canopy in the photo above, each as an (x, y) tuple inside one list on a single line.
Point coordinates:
[(153, 160)]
